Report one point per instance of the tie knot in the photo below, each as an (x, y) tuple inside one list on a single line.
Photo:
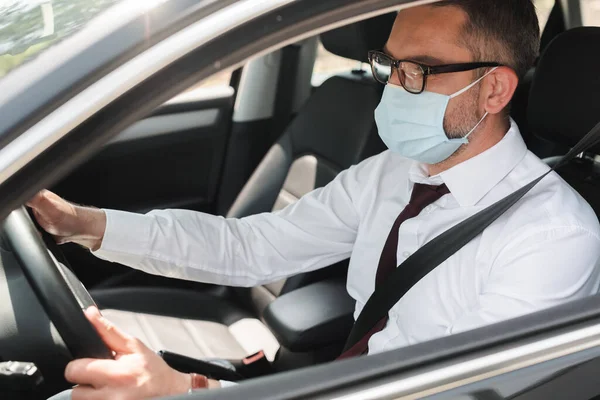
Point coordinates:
[(423, 195), (421, 188)]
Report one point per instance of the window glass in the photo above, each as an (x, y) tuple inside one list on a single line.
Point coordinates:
[(28, 27), (543, 7), (328, 64), (590, 11)]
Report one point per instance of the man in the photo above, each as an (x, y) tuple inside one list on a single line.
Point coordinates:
[(444, 116)]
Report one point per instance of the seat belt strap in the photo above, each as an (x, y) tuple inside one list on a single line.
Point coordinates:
[(283, 109), (438, 250)]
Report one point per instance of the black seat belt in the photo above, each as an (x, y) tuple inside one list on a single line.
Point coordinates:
[(283, 109), (438, 250)]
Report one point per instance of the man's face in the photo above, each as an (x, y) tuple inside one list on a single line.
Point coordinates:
[(433, 36)]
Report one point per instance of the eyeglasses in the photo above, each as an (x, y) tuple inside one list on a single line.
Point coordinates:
[(413, 75)]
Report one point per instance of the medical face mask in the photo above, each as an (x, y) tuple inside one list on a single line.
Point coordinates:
[(413, 125)]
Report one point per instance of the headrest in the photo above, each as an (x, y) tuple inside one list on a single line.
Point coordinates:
[(355, 40), (564, 102)]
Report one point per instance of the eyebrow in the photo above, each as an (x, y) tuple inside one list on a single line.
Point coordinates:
[(424, 59), (427, 60)]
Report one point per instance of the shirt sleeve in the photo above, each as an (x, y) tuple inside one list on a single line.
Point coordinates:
[(547, 268), (318, 230)]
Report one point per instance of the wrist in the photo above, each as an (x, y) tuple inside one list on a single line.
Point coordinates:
[(213, 384), (201, 382), (181, 384), (91, 226)]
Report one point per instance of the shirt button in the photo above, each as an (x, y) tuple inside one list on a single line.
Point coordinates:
[(406, 254)]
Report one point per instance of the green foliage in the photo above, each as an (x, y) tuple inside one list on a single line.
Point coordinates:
[(22, 24)]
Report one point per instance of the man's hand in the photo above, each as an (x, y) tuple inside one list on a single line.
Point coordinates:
[(135, 373), (68, 222)]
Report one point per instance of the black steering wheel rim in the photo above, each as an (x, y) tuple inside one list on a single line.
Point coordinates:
[(51, 289)]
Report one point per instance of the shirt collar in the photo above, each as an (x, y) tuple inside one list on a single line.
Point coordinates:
[(471, 180)]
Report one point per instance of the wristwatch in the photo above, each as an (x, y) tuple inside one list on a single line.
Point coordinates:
[(198, 382)]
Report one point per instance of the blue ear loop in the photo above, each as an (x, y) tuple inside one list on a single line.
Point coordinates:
[(413, 125)]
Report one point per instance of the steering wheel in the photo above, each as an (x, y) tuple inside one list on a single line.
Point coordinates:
[(58, 290)]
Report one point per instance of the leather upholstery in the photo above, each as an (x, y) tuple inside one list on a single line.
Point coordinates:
[(186, 322), (312, 317), (519, 106), (334, 130), (563, 105), (175, 302), (306, 173), (330, 133), (584, 176)]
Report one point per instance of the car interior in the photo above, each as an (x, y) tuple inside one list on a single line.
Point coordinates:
[(231, 155), (332, 130)]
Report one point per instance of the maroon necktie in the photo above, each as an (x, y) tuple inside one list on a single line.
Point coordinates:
[(422, 196)]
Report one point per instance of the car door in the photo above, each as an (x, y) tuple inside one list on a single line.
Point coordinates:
[(171, 159)]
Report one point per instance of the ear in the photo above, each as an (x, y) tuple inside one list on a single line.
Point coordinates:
[(500, 87)]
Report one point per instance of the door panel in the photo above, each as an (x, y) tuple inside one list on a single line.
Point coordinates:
[(171, 159), (570, 377)]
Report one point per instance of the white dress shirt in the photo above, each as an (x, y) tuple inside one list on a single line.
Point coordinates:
[(542, 252)]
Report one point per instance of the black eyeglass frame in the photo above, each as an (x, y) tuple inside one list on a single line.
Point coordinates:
[(427, 70)]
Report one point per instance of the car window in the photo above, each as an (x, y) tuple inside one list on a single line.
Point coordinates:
[(28, 27), (590, 12), (328, 64), (543, 8)]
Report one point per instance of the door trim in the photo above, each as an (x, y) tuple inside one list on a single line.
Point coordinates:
[(479, 368), (167, 125)]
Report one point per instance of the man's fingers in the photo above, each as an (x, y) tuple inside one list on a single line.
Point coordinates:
[(115, 339), (84, 393), (89, 393), (90, 372)]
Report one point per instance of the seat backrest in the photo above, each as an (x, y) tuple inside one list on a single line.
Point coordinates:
[(564, 103), (540, 147), (519, 107), (332, 131)]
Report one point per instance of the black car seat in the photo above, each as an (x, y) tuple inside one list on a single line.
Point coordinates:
[(520, 102), (332, 131), (564, 104)]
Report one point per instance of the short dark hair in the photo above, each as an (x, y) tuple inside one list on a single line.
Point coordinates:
[(505, 31)]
